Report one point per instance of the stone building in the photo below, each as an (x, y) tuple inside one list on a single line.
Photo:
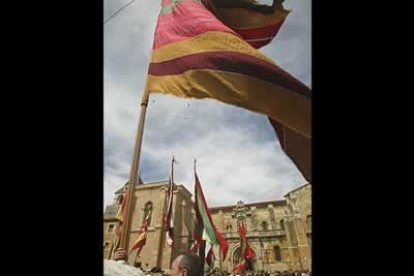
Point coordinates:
[(279, 231)]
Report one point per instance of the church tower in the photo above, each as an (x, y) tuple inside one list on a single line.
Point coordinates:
[(151, 197)]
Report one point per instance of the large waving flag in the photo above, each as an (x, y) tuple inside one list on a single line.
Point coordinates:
[(196, 56), (256, 28), (205, 223), (298, 147)]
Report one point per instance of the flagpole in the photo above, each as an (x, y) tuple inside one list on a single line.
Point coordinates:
[(163, 232), (202, 244), (125, 234), (172, 194)]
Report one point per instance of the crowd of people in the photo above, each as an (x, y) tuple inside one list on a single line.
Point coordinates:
[(189, 264), (305, 272), (216, 272)]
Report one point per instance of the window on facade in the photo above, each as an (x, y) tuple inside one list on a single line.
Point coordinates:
[(309, 241), (106, 245), (267, 256), (264, 225), (276, 251), (292, 232), (111, 228), (309, 222), (147, 209), (120, 198), (282, 224)]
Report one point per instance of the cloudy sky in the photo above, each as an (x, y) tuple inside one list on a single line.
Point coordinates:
[(238, 154)]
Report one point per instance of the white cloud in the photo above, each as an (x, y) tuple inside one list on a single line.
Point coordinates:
[(237, 152)]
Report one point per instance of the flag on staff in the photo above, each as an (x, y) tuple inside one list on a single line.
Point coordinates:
[(206, 226), (246, 252), (210, 259), (142, 238), (199, 245), (195, 55), (121, 218), (251, 22), (168, 220), (121, 212)]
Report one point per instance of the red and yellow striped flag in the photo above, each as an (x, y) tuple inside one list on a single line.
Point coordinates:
[(196, 56), (142, 238), (122, 211)]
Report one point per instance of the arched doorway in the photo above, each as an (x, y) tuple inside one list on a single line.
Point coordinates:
[(237, 258)]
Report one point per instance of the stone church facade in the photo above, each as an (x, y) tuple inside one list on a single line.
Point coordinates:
[(279, 231)]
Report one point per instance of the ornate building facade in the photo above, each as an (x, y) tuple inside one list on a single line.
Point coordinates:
[(279, 231)]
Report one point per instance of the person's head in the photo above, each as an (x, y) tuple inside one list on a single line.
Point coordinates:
[(187, 264)]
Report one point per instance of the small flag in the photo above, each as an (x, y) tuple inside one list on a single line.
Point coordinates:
[(142, 238), (168, 221), (209, 231)]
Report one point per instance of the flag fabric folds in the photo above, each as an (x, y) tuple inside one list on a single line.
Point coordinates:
[(199, 245), (296, 146), (142, 238), (195, 247), (255, 28), (246, 251), (168, 222), (122, 211), (205, 223), (121, 218), (195, 55), (244, 243), (210, 259)]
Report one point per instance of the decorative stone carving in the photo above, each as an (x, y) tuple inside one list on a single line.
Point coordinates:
[(272, 218), (254, 219), (239, 212), (228, 225)]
